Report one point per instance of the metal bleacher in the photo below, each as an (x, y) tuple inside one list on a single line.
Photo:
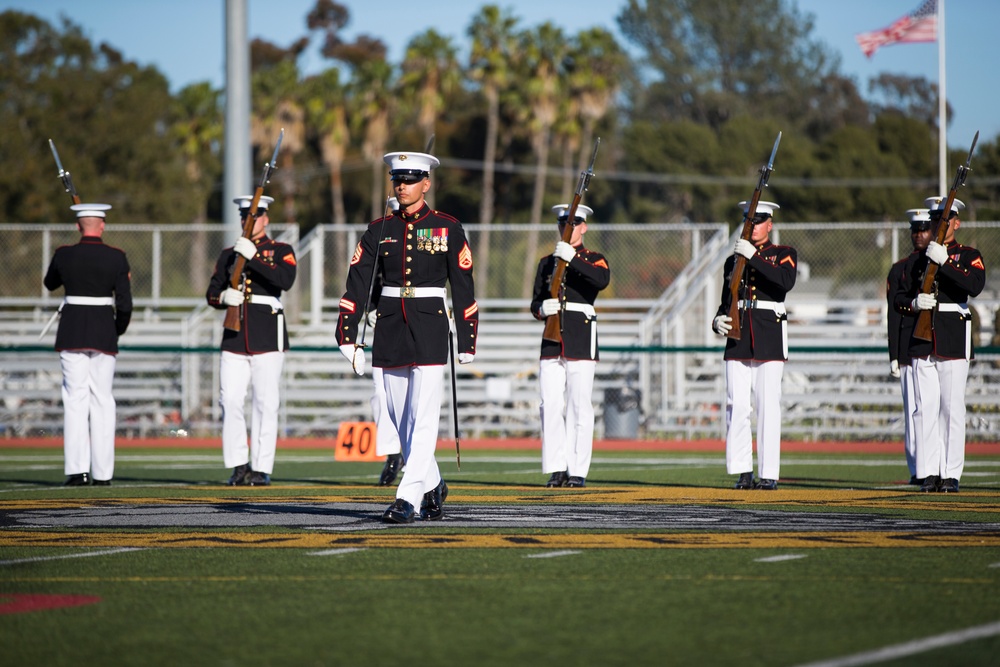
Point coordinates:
[(836, 384)]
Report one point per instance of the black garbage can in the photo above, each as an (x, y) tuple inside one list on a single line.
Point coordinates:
[(621, 413)]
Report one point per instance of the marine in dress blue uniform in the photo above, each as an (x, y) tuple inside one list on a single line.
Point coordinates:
[(254, 355), (899, 328), (96, 310), (567, 367), (418, 251), (940, 366), (755, 363)]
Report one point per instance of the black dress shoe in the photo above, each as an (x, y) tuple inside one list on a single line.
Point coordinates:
[(393, 463), (745, 481), (432, 506), (576, 482), (931, 484), (399, 512), (949, 485), (255, 478), (767, 485), (557, 479), (102, 482), (914, 481), (80, 479), (239, 477)]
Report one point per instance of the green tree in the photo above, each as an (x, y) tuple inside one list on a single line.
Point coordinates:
[(430, 73), (277, 105), (197, 130), (493, 47), (543, 51), (716, 59)]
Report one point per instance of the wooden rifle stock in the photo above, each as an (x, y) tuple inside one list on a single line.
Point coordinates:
[(234, 314), (736, 327), (738, 268), (553, 323), (923, 329)]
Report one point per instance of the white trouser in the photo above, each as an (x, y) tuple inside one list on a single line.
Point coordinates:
[(236, 373), (909, 407), (413, 395), (763, 380), (386, 438), (939, 419), (567, 439), (89, 413)]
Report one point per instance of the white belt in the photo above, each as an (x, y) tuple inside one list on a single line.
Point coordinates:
[(776, 306), (266, 300), (953, 308), (90, 300), (276, 307), (413, 292), (584, 308)]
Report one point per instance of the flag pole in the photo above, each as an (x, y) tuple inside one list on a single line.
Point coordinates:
[(942, 104)]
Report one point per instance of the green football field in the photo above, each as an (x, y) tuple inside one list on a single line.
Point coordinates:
[(657, 561)]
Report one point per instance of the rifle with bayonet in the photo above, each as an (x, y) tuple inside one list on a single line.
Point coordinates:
[(234, 313), (923, 328), (741, 262), (553, 323), (64, 176), (67, 181)]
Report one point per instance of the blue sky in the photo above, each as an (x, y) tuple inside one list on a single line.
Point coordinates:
[(184, 38)]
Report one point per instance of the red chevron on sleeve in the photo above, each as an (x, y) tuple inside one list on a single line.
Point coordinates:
[(788, 260), (357, 255), (978, 263)]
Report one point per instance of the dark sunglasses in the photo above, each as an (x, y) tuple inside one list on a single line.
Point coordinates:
[(563, 219)]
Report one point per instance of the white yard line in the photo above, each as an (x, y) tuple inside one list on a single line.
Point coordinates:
[(89, 554), (334, 552), (911, 648), (553, 554), (778, 559)]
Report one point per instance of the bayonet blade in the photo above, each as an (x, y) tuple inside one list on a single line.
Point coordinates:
[(968, 160), (593, 157), (277, 147), (55, 154), (774, 151)]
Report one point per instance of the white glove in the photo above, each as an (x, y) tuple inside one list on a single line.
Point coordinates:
[(231, 297), (720, 324), (549, 307), (564, 251), (745, 248), (372, 317), (924, 302), (451, 326), (937, 253), (355, 355), (245, 247), (894, 368), (465, 357)]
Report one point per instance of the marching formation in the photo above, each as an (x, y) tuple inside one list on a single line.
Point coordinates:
[(410, 281)]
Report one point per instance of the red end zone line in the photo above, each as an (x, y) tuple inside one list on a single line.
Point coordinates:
[(984, 448)]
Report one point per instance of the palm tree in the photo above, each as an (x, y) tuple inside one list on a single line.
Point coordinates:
[(325, 104), (429, 73), (543, 50), (598, 66), (196, 126), (372, 98), (493, 46), (276, 106)]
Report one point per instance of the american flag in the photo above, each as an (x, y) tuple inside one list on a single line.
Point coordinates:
[(920, 26)]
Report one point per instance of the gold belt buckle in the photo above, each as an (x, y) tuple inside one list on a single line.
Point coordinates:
[(407, 292)]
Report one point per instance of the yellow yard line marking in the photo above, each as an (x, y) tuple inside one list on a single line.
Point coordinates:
[(408, 538), (487, 495)]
